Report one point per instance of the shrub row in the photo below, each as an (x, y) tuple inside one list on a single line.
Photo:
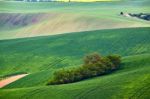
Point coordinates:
[(94, 65)]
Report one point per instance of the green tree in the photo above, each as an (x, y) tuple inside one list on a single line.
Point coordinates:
[(94, 65)]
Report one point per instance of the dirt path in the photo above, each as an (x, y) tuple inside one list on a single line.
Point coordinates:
[(11, 79)]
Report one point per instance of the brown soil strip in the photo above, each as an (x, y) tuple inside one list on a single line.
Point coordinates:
[(11, 79)]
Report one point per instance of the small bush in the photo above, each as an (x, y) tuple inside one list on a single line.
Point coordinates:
[(94, 65)]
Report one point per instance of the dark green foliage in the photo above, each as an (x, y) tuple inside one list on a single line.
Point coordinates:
[(115, 59), (92, 59), (94, 65)]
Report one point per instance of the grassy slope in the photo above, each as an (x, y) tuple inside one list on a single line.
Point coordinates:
[(130, 82), (40, 56), (76, 16)]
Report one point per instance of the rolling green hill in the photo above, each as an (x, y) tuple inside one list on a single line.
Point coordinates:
[(130, 82), (41, 56), (28, 19), (83, 28), (53, 52)]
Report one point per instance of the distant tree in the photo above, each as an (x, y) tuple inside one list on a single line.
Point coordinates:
[(121, 13)]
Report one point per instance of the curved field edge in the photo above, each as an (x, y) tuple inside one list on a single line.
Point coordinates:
[(41, 56), (130, 81)]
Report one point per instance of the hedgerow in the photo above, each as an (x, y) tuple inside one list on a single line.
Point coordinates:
[(94, 65)]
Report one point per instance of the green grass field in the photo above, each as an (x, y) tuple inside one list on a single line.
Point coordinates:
[(28, 44), (130, 82), (40, 56)]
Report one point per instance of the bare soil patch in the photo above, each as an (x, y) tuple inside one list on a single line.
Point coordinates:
[(11, 79)]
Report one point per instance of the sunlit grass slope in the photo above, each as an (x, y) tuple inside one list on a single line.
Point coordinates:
[(40, 56), (131, 81), (23, 19)]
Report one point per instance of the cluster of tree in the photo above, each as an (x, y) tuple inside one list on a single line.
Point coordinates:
[(144, 16), (94, 65)]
